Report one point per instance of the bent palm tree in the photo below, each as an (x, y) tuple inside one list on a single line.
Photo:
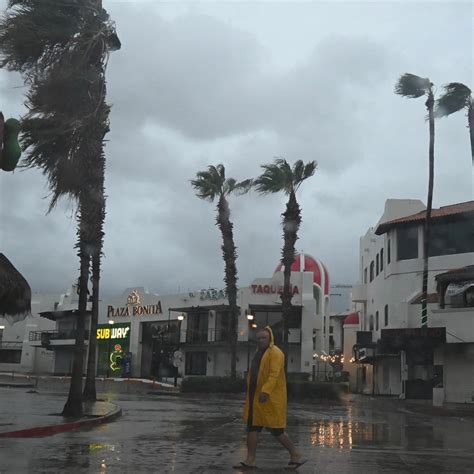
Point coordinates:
[(412, 87), (61, 48), (457, 97), (211, 185), (280, 177)]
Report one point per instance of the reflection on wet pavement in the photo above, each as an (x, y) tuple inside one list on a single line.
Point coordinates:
[(199, 435)]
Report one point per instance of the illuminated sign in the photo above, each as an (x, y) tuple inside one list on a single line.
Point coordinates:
[(271, 290), (138, 310), (112, 333)]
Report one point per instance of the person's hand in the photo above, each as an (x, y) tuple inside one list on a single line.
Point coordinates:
[(263, 398)]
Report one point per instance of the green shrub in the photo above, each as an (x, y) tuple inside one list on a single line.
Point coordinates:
[(204, 384), (317, 390)]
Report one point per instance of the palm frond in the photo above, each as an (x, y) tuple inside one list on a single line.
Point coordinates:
[(243, 187), (456, 97), (412, 86), (272, 180), (209, 184)]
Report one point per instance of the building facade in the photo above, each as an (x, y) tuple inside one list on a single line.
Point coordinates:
[(396, 356)]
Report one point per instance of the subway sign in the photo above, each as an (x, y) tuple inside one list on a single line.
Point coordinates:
[(113, 332)]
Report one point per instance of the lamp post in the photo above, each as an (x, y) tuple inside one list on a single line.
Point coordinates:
[(250, 318), (111, 322)]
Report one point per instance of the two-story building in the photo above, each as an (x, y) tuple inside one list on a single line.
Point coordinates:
[(191, 330), (396, 355)]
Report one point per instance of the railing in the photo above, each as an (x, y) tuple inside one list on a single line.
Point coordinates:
[(55, 335)]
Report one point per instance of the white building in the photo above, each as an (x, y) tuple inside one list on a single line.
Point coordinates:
[(397, 357), (16, 352), (190, 330)]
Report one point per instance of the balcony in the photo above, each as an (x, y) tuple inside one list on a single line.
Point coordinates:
[(359, 293), (459, 323), (51, 339)]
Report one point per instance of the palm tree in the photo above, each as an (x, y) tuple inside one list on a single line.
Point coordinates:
[(281, 177), (412, 87), (211, 185), (457, 97), (61, 49)]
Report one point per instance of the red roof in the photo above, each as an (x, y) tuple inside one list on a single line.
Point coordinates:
[(352, 318), (311, 264), (445, 211)]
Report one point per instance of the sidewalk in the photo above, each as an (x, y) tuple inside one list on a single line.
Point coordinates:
[(38, 414)]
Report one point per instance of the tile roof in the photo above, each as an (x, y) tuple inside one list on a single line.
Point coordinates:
[(445, 211)]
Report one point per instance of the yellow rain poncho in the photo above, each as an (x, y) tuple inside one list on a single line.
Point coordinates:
[(271, 380)]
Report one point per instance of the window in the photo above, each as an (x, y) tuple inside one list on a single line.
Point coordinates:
[(372, 271), (10, 356), (196, 363), (452, 237), (376, 320), (331, 329), (365, 276), (386, 315), (377, 265), (371, 323), (381, 260), (407, 242), (388, 251)]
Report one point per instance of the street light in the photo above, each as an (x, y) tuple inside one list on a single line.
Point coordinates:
[(250, 318), (181, 317), (111, 321)]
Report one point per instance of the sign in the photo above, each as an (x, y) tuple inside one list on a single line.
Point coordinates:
[(272, 289), (138, 310), (212, 294), (113, 332), (406, 338), (133, 298)]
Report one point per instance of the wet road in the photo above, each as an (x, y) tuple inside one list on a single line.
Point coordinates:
[(161, 434)]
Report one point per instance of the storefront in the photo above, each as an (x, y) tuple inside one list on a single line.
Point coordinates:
[(113, 350), (189, 333)]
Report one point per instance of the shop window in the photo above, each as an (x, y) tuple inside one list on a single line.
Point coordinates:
[(381, 260), (386, 315), (8, 356), (196, 363), (372, 267), (376, 320), (407, 242)]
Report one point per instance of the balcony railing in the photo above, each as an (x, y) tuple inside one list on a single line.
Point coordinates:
[(43, 336)]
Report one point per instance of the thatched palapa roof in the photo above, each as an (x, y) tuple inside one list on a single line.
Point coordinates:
[(15, 292)]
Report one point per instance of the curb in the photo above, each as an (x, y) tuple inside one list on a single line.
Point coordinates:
[(17, 385), (51, 430)]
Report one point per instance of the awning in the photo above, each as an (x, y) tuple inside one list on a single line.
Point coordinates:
[(15, 292)]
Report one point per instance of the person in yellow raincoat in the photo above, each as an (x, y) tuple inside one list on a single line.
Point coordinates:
[(266, 400)]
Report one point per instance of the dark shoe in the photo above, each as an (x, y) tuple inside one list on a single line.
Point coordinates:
[(293, 465), (244, 467)]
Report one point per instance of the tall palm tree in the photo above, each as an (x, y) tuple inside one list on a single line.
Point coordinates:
[(457, 97), (212, 185), (61, 49), (412, 87), (276, 178)]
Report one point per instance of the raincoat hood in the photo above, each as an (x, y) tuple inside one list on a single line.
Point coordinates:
[(272, 338)]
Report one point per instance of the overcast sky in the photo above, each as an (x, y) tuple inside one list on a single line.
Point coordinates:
[(240, 83)]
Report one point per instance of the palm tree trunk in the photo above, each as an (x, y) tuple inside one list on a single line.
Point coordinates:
[(90, 393), (291, 225), (73, 406), (426, 229), (470, 119), (229, 253)]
